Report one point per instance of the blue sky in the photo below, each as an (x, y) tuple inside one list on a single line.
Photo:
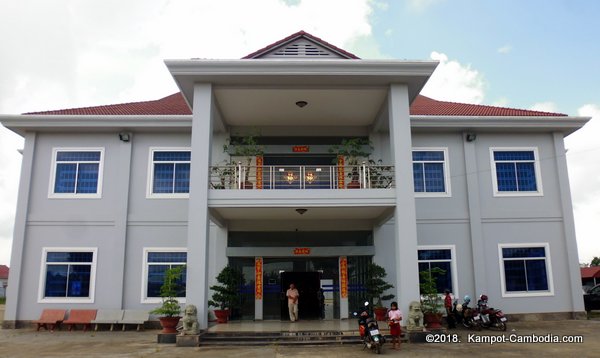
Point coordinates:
[(530, 54), (527, 51)]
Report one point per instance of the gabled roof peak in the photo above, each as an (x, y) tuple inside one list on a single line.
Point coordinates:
[(301, 44)]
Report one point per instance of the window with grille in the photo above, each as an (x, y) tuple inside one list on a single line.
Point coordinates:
[(430, 174), (525, 269), (76, 173), (68, 275), (515, 171), (440, 257), (169, 173), (156, 263)]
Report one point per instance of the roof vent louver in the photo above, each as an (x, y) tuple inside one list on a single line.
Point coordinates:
[(302, 49)]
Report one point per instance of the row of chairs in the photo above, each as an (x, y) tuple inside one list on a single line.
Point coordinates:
[(51, 319)]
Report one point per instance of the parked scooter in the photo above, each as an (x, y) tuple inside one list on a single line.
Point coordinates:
[(464, 314), (488, 317), (369, 330)]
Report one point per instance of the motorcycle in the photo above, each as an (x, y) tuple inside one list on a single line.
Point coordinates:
[(369, 330), (465, 315), (487, 317)]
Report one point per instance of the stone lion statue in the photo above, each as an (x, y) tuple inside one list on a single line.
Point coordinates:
[(415, 317), (190, 321)]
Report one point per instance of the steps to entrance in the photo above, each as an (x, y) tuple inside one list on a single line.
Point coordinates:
[(283, 338)]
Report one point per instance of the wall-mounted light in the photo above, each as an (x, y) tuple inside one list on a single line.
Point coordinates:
[(124, 136), (301, 211), (470, 137), (301, 104)]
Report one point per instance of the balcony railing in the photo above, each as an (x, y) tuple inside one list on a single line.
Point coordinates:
[(268, 177)]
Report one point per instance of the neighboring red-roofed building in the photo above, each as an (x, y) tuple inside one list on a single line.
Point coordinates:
[(3, 280), (590, 276), (299, 163)]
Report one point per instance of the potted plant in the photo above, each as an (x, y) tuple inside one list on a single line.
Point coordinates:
[(431, 302), (246, 148), (169, 311), (376, 287), (225, 296), (224, 173), (353, 150)]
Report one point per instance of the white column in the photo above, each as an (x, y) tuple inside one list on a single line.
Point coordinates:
[(18, 244), (568, 226), (405, 217), (121, 211), (475, 226), (198, 218)]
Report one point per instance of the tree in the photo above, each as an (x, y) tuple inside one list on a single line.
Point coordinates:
[(595, 261), (376, 285)]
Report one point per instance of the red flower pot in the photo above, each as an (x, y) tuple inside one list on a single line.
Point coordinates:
[(222, 316), (169, 324)]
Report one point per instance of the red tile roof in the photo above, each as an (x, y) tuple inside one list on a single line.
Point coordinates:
[(176, 105), (426, 106), (170, 105), (4, 271), (299, 34), (590, 272)]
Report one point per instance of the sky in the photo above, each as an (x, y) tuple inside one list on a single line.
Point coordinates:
[(535, 54)]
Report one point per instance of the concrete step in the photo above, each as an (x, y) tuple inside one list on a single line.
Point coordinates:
[(281, 338)]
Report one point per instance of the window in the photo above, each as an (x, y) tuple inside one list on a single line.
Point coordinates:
[(430, 175), (76, 173), (156, 263), (525, 270), (169, 173), (441, 257), (515, 171), (68, 275)]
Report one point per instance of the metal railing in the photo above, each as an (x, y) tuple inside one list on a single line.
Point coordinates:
[(363, 176)]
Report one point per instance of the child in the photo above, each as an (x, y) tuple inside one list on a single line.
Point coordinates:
[(394, 318)]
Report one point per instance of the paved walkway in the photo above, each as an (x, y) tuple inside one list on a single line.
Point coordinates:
[(64, 344)]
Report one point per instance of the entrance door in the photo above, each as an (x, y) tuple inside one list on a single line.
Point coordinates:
[(308, 284)]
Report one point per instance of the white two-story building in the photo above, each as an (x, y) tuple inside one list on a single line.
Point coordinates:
[(112, 196)]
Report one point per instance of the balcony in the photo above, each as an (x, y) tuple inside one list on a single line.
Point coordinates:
[(301, 177)]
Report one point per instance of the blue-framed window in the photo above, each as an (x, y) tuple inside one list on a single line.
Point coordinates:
[(440, 258), (525, 269), (429, 168), (77, 172), (170, 172), (157, 263), (515, 171), (68, 274)]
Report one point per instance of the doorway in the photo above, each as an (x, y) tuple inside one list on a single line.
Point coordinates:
[(307, 284)]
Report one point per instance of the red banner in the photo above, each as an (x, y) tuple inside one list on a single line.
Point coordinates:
[(340, 170), (258, 278), (300, 149), (302, 251), (259, 172), (343, 277)]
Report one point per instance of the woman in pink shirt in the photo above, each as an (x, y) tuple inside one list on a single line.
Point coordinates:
[(394, 318)]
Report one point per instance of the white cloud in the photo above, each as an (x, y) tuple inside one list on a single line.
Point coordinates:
[(545, 107), (455, 82), (584, 174), (505, 49)]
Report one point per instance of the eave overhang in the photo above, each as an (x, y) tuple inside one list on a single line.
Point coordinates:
[(565, 125), (302, 73), (76, 123)]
